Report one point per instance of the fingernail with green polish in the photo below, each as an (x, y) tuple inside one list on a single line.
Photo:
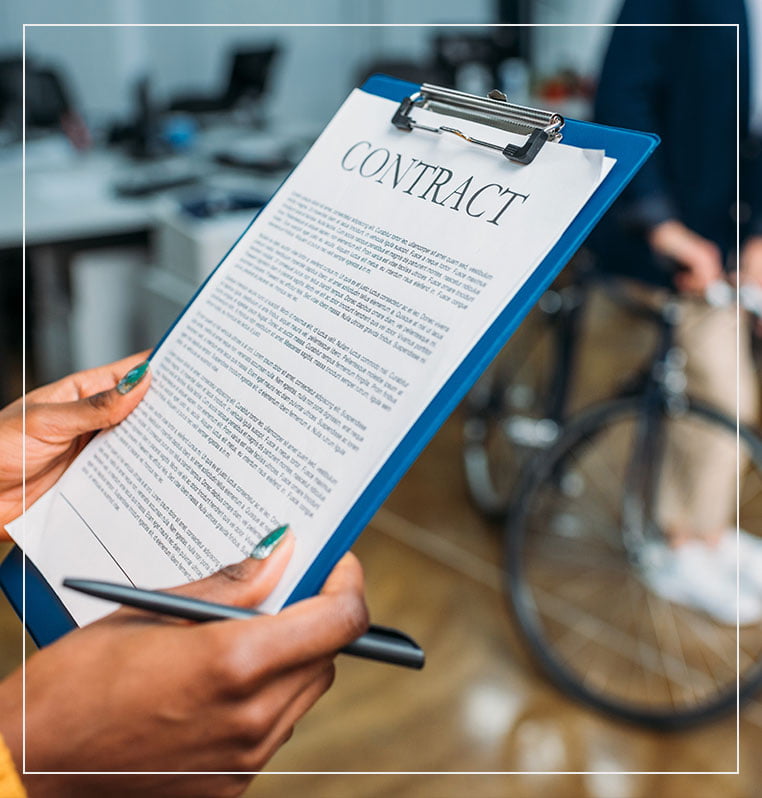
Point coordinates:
[(269, 543), (132, 378)]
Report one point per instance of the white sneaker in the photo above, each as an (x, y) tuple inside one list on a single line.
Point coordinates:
[(744, 552), (699, 577)]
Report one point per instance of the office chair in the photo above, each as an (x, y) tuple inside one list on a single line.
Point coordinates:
[(48, 101)]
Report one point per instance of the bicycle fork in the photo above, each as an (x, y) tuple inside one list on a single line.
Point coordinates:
[(642, 476), (662, 396)]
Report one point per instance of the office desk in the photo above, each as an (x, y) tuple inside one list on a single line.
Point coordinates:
[(67, 199), (70, 196), (71, 207)]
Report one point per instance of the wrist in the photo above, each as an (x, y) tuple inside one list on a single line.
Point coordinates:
[(752, 243), (668, 238), (751, 261)]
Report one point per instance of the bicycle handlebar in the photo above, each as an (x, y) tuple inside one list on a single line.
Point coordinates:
[(720, 294)]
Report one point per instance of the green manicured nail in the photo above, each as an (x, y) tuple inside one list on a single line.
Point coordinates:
[(132, 378), (269, 543)]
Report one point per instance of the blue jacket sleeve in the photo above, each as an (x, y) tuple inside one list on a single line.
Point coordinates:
[(630, 94)]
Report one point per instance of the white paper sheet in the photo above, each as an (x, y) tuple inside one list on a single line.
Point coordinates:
[(310, 353)]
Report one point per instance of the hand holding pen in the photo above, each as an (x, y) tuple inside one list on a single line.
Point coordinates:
[(379, 643), (140, 692)]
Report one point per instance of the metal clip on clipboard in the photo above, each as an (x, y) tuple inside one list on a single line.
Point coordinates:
[(493, 110)]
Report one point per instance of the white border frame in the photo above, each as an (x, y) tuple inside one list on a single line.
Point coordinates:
[(26, 772)]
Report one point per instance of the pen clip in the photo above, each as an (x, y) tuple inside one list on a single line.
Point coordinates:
[(388, 645), (388, 631)]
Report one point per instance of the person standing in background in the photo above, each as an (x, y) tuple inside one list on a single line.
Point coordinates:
[(674, 73)]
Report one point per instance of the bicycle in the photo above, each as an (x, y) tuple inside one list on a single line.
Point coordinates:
[(578, 528)]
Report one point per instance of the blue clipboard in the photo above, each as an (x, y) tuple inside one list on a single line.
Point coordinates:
[(47, 618)]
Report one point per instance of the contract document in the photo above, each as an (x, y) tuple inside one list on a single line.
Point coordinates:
[(309, 353)]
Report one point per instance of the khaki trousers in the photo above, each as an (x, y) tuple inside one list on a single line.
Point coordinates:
[(697, 496)]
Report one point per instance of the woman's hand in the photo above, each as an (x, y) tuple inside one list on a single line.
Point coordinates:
[(139, 692), (60, 419)]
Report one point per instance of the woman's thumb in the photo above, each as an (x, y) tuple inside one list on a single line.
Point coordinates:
[(67, 420)]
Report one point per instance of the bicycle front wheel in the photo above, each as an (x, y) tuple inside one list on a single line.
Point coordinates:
[(578, 592)]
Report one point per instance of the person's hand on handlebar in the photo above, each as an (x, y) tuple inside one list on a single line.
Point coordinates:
[(698, 259)]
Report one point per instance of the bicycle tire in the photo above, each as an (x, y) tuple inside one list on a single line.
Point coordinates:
[(526, 583)]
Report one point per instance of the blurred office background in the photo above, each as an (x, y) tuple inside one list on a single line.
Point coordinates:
[(148, 151), (149, 147)]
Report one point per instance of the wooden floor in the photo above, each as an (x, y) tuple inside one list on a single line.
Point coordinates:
[(479, 705)]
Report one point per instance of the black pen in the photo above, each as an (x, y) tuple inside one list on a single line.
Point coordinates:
[(379, 643)]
